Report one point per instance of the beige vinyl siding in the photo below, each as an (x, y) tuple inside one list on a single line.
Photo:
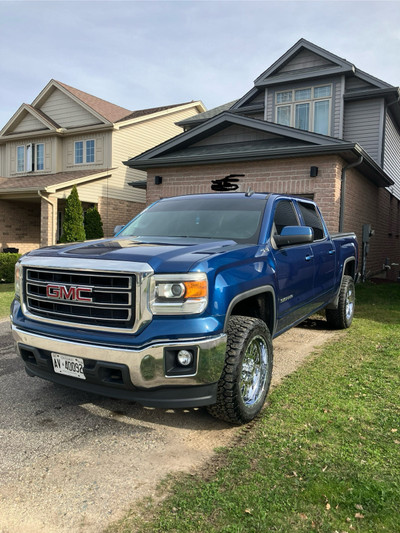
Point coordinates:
[(57, 155), (3, 172), (66, 112), (11, 155), (89, 192), (101, 144), (29, 123), (305, 59), (132, 140), (92, 191)]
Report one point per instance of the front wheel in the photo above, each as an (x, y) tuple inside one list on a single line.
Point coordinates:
[(342, 316), (246, 377)]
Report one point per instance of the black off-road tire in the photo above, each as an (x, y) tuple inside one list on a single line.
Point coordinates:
[(248, 361), (342, 316)]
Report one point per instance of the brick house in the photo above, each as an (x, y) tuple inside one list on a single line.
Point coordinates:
[(67, 137), (312, 125)]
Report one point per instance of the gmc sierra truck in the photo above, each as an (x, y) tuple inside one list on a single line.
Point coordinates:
[(179, 309)]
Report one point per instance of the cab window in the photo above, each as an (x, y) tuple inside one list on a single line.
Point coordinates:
[(312, 218)]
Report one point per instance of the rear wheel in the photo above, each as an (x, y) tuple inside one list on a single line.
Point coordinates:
[(246, 377), (342, 316)]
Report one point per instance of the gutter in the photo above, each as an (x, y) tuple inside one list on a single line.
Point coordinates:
[(343, 189)]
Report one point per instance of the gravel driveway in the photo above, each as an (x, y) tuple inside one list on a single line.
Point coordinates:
[(72, 461)]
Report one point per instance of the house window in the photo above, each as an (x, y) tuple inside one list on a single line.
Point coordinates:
[(20, 158), (306, 109), (30, 157), (39, 159), (84, 152), (90, 151)]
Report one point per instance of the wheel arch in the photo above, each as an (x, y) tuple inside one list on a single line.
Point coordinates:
[(349, 269), (256, 303)]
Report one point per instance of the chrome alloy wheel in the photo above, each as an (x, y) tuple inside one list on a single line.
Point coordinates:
[(254, 371), (350, 301)]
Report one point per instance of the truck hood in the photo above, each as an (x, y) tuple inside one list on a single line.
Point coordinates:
[(162, 254)]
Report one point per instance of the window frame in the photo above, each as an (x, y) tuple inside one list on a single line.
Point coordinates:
[(274, 229), (293, 103), (29, 160), (36, 157), (308, 205), (23, 146), (87, 152)]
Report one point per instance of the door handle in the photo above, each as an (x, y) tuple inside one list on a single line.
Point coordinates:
[(331, 252), (308, 257)]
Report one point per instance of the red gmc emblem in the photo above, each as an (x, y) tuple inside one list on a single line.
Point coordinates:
[(74, 294)]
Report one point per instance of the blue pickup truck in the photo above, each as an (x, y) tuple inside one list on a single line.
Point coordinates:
[(179, 308)]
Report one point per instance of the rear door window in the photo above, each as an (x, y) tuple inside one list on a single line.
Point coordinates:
[(312, 218)]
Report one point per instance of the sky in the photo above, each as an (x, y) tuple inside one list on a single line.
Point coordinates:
[(143, 54)]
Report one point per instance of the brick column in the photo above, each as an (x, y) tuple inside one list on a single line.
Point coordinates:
[(48, 220)]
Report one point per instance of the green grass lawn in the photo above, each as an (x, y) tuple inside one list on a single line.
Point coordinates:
[(6, 297), (325, 454)]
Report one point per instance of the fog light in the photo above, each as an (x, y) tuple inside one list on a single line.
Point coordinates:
[(184, 357)]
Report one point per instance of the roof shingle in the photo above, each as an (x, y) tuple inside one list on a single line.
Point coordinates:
[(44, 180)]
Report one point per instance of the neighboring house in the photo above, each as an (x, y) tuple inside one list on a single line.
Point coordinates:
[(312, 125), (67, 137)]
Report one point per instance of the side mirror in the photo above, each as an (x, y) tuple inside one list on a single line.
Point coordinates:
[(118, 228), (294, 235)]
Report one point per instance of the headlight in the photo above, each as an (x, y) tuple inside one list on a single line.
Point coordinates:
[(18, 279), (175, 294)]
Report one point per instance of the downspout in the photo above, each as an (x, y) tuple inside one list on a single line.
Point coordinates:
[(53, 232), (343, 189)]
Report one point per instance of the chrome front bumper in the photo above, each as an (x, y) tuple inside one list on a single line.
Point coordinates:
[(146, 367)]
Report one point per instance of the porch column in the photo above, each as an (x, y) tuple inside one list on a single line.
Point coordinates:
[(48, 220)]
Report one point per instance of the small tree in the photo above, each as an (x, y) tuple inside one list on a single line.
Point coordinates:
[(73, 229), (93, 224)]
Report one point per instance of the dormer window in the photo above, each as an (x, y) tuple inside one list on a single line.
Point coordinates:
[(84, 152), (306, 109), (30, 157)]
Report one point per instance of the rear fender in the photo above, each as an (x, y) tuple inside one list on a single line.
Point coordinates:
[(349, 269)]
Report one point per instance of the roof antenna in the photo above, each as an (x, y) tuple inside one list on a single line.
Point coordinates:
[(249, 192)]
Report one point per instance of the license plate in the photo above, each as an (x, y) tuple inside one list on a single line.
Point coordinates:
[(68, 365)]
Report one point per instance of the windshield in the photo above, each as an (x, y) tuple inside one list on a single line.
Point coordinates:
[(237, 219)]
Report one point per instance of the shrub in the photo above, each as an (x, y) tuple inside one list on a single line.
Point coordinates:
[(7, 265), (73, 229), (93, 224)]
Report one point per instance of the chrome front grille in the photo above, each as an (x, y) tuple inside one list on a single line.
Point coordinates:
[(91, 299)]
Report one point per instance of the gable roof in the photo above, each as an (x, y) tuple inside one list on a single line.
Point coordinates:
[(109, 111), (218, 123), (105, 112), (44, 121), (278, 142), (329, 64)]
